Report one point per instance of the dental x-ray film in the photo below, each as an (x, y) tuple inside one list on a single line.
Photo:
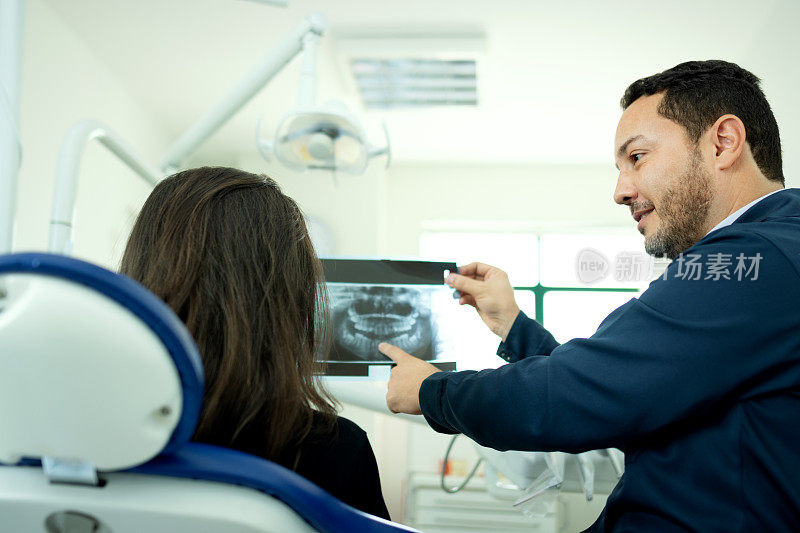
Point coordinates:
[(399, 302)]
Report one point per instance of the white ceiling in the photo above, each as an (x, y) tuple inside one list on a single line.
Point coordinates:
[(549, 87)]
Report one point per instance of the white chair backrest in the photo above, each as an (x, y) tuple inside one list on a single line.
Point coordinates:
[(81, 377)]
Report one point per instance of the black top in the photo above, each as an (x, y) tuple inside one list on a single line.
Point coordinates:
[(340, 462)]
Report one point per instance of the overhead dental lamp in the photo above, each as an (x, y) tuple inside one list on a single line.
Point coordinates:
[(320, 137), (328, 138)]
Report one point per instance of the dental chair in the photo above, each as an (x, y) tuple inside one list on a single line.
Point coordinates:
[(100, 391)]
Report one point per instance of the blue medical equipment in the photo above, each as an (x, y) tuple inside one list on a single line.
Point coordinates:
[(100, 391)]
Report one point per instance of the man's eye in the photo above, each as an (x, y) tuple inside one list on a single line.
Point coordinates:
[(636, 157)]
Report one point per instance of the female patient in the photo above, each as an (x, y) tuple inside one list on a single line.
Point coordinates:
[(231, 255)]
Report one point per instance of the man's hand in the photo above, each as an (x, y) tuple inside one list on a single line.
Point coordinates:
[(488, 290), (407, 378)]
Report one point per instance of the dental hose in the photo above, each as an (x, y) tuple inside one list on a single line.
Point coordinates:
[(453, 490)]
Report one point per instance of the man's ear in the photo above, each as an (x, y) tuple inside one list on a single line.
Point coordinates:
[(729, 138)]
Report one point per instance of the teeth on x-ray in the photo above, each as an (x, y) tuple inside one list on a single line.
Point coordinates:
[(366, 315)]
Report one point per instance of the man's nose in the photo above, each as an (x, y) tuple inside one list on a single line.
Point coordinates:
[(625, 191)]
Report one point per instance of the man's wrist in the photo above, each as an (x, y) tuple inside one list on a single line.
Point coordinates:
[(503, 334)]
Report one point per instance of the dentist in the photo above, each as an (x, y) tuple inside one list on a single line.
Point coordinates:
[(697, 380)]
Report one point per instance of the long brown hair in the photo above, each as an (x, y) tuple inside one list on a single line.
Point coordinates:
[(231, 255)]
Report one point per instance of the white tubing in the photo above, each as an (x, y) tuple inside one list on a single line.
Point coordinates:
[(68, 169), (11, 20), (307, 85), (368, 395)]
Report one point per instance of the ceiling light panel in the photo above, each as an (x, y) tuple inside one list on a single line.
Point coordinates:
[(413, 72), (392, 83)]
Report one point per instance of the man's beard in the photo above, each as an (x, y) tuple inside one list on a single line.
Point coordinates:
[(683, 212)]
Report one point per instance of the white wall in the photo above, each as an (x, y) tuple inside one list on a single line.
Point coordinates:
[(779, 79), (500, 197), (63, 83), (349, 205), (383, 211)]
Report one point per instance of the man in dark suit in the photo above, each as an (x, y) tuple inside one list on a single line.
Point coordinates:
[(697, 380)]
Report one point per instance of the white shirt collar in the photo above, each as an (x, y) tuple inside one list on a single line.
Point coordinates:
[(730, 219)]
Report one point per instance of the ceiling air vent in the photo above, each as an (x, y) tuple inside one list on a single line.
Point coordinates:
[(397, 83)]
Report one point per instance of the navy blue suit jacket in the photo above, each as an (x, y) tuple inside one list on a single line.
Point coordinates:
[(697, 381)]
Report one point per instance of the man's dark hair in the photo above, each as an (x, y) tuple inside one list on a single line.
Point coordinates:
[(697, 93)]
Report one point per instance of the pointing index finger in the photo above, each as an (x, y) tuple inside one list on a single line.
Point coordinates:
[(392, 352)]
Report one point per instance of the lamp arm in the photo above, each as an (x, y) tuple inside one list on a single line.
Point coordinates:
[(384, 150), (67, 171), (307, 85), (11, 17), (239, 95)]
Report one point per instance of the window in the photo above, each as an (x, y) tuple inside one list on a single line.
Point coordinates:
[(577, 314), (569, 282), (516, 253)]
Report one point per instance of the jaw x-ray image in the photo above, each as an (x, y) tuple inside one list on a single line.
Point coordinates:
[(366, 315), (399, 302)]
